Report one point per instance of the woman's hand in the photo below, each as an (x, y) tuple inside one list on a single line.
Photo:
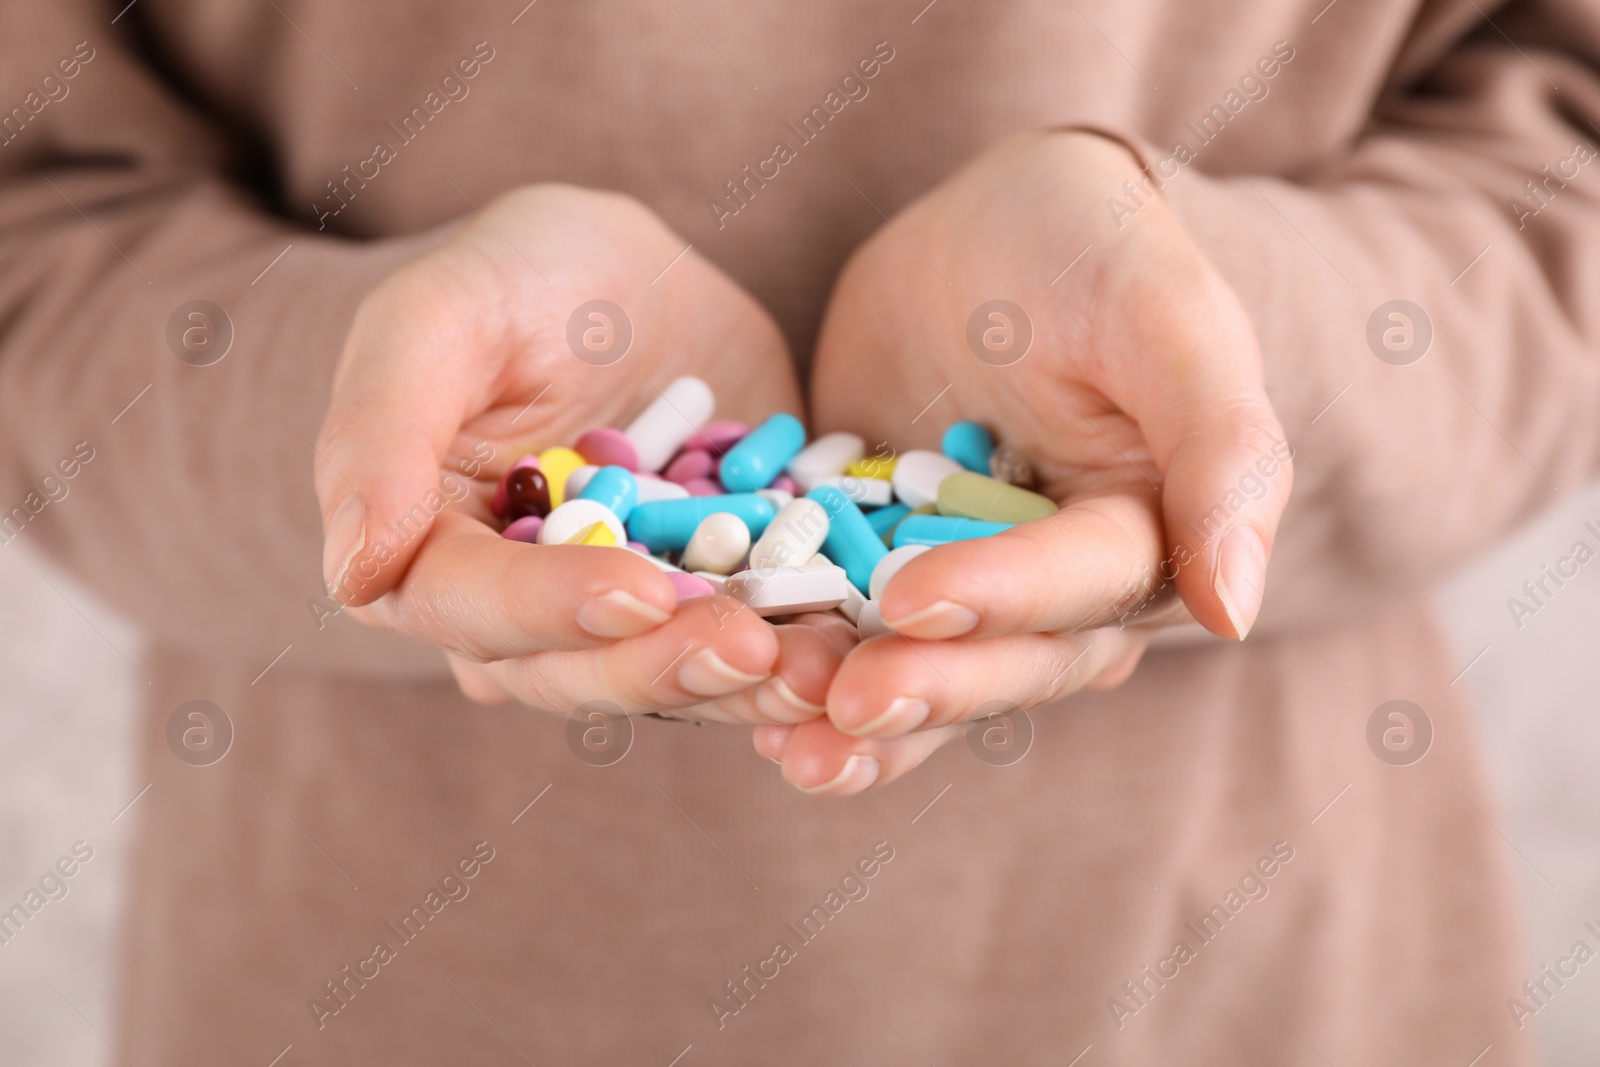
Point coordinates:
[(1117, 360), (492, 345)]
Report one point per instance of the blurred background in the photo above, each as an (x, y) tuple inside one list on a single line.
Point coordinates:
[(68, 695)]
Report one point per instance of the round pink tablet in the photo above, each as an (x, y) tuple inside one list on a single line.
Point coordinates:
[(688, 466), (498, 505), (786, 483), (703, 487), (524, 529), (688, 586), (716, 437), (606, 447)]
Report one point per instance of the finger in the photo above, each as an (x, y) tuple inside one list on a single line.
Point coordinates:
[(819, 760), (484, 598), (771, 741), (476, 682), (807, 661), (891, 686), (395, 411), (710, 649), (1089, 564)]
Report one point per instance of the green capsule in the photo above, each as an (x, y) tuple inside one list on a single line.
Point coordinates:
[(975, 496)]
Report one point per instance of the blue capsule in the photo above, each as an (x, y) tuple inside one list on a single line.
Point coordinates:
[(667, 525), (760, 457), (969, 444), (616, 488), (882, 520), (942, 529), (851, 541)]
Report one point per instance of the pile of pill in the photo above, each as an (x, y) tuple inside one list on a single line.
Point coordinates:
[(718, 505)]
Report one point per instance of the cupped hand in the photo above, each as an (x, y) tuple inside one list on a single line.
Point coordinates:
[(554, 310), (1111, 354)]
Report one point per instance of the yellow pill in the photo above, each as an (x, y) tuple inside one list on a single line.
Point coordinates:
[(558, 464), (974, 496), (881, 467), (924, 509), (597, 534)]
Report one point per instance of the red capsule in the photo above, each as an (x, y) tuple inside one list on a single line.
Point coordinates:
[(527, 493)]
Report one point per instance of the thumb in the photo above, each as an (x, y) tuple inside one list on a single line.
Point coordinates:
[(395, 411)]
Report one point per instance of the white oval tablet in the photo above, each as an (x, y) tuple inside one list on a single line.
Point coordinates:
[(793, 536), (718, 544), (890, 565), (672, 418), (826, 457), (566, 521), (917, 475), (789, 590)]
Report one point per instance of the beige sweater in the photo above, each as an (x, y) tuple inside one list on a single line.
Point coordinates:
[(1161, 877)]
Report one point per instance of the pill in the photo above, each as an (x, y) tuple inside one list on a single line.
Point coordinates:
[(524, 529), (755, 461), (870, 623), (688, 466), (718, 582), (890, 565), (718, 544), (917, 476), (866, 492), (851, 542), (853, 603), (977, 496), (703, 487), (826, 457), (885, 519), (527, 492), (941, 530), (558, 464), (716, 437), (639, 547), (787, 484), (969, 444), (688, 586), (614, 487), (789, 590), (673, 417), (667, 525), (498, 505), (873, 467), (598, 535), (795, 535), (779, 497), (1011, 467), (653, 488), (575, 516), (578, 480), (604, 446)]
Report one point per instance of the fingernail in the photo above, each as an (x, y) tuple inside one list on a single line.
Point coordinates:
[(619, 614), (1241, 572), (780, 703), (858, 774), (345, 538), (903, 715), (937, 621), (707, 674)]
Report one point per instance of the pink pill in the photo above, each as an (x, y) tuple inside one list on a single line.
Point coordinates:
[(689, 586), (787, 484), (689, 466), (703, 487), (639, 547), (716, 437), (524, 529), (605, 447), (498, 506)]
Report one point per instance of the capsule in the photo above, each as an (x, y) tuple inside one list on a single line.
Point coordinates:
[(795, 535), (674, 417), (760, 457), (615, 488), (718, 544), (851, 541), (969, 444), (667, 525), (976, 496), (558, 464), (942, 529), (884, 520), (527, 493)]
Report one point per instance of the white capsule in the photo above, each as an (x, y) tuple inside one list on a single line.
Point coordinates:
[(917, 475), (777, 497), (789, 590), (717, 544), (574, 516), (671, 419), (577, 480), (869, 622), (866, 492), (826, 457), (890, 565), (660, 489), (795, 535)]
